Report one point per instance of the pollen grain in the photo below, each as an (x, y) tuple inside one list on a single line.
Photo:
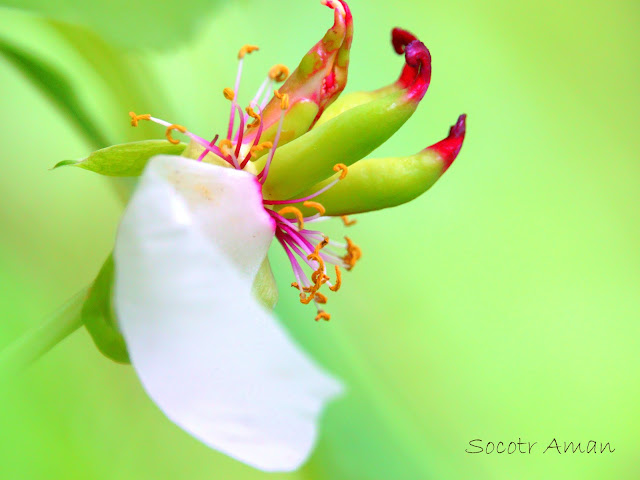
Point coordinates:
[(225, 145), (255, 116), (347, 222), (170, 128), (322, 315), (246, 49), (261, 146), (353, 254), (229, 94), (318, 206), (336, 286), (136, 118), (341, 167), (295, 211), (279, 73)]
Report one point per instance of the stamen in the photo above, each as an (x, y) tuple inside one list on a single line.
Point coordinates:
[(247, 49), (297, 270), (256, 99), (226, 145), (322, 315), (253, 115), (267, 95), (135, 118), (206, 150), (261, 146), (256, 139), (279, 73), (239, 134), (321, 298), (284, 99), (343, 167), (338, 283), (306, 299), (232, 115), (316, 205), (180, 128), (229, 94), (321, 245), (353, 254), (347, 222), (262, 176), (294, 211)]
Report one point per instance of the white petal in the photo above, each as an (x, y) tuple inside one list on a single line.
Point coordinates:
[(214, 361)]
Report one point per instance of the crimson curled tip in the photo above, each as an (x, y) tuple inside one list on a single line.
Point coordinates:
[(416, 75), (340, 6), (449, 148), (400, 38), (459, 129)]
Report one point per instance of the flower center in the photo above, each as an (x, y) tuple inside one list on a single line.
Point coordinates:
[(305, 248)]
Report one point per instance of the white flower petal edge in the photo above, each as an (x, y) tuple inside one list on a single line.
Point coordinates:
[(207, 353)]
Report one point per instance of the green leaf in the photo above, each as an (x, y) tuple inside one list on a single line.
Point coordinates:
[(124, 160), (99, 318), (55, 86), (139, 24)]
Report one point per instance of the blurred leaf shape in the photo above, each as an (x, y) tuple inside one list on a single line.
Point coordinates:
[(134, 24), (99, 318), (56, 87), (124, 160)]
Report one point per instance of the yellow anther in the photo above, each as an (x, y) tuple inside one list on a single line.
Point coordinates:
[(170, 128), (347, 222), (318, 206), (343, 167), (306, 299), (353, 254), (336, 286), (319, 278), (322, 315), (320, 298), (279, 73), (229, 94), (320, 245), (225, 145), (135, 118), (246, 49), (261, 146), (284, 99), (295, 211), (284, 104), (253, 115)]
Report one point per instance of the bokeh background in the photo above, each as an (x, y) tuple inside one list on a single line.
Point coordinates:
[(504, 303)]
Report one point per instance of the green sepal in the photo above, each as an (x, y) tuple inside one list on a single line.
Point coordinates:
[(297, 122), (377, 183), (346, 139), (264, 286), (126, 159), (351, 100), (99, 318)]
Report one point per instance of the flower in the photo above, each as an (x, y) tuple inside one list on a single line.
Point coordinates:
[(190, 254)]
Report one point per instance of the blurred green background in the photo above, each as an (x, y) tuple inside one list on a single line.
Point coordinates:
[(502, 304)]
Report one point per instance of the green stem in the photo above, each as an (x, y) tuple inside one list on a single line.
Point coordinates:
[(39, 340)]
